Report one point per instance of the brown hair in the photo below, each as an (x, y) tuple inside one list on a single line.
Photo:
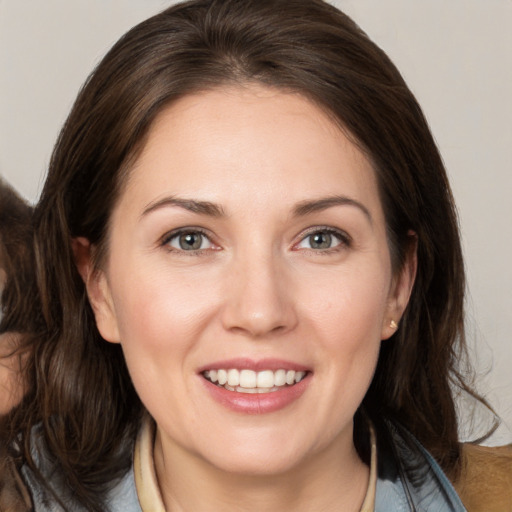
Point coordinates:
[(16, 260), (20, 322), (21, 318), (304, 46)]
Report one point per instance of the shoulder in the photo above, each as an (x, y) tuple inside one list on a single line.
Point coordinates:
[(485, 483)]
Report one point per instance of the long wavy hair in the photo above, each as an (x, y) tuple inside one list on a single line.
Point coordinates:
[(82, 397)]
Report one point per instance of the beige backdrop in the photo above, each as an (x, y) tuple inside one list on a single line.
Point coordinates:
[(455, 55)]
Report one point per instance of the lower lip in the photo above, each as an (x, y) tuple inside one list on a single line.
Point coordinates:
[(257, 403)]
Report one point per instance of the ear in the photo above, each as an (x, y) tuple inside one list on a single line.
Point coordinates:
[(401, 289), (98, 289)]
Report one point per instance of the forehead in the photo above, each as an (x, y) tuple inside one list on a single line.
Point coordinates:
[(219, 142)]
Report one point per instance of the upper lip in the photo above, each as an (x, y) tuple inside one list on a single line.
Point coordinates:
[(243, 363)]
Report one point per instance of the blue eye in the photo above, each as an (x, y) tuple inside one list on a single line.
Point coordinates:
[(322, 239), (189, 241)]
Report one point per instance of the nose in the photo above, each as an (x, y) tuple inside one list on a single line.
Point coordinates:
[(259, 299)]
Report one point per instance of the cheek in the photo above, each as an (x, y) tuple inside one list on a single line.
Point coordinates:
[(347, 322), (159, 324), (344, 312), (349, 305), (160, 312)]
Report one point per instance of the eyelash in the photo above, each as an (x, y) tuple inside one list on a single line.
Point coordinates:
[(343, 238)]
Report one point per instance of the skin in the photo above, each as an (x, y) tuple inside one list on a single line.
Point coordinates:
[(255, 289)]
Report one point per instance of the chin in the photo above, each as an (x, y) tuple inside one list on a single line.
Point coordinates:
[(262, 466), (256, 456)]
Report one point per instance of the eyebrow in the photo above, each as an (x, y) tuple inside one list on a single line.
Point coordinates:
[(301, 209), (306, 207), (191, 205)]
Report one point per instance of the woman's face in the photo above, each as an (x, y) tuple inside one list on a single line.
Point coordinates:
[(249, 243)]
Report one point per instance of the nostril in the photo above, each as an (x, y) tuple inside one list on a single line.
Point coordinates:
[(259, 324)]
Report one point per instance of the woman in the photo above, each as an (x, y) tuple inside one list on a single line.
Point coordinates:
[(251, 277)]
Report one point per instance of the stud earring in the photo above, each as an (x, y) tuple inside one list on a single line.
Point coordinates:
[(393, 324)]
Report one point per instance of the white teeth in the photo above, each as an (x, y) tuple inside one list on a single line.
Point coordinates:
[(247, 390), (280, 378), (233, 377), (265, 379), (299, 376), (222, 377), (249, 381), (254, 391)]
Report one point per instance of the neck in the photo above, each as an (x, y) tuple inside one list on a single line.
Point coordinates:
[(332, 479)]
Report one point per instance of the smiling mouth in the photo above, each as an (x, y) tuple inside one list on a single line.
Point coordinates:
[(249, 381)]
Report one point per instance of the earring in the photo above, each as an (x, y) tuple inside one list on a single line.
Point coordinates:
[(393, 324)]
